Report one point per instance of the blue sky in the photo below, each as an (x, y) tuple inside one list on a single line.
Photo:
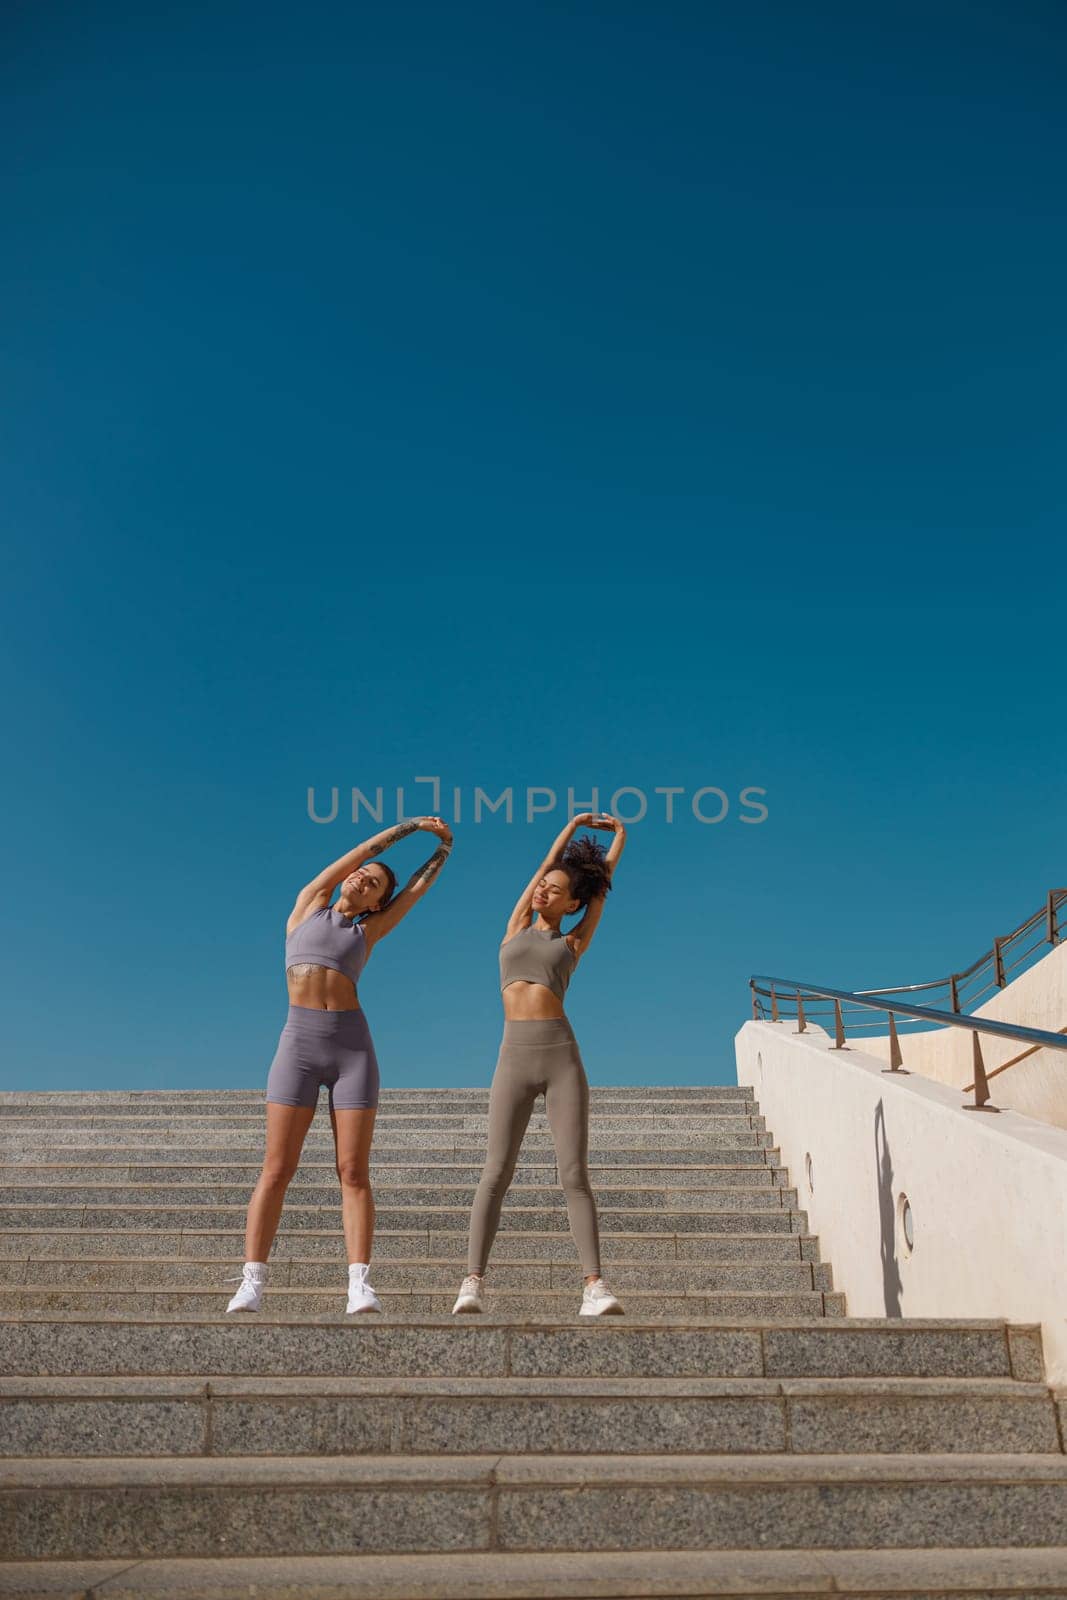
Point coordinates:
[(560, 395)]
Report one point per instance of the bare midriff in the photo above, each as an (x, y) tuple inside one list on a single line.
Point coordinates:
[(321, 988), (526, 1002)]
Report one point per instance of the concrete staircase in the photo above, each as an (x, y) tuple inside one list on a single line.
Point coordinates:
[(735, 1433)]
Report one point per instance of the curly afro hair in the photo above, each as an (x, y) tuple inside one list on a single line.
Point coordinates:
[(583, 861)]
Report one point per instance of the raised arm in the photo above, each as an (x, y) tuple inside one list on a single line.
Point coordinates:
[(522, 915), (327, 880), (581, 934), (378, 923), (316, 894), (618, 844)]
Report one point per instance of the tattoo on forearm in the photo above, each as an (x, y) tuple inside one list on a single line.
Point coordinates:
[(429, 869), (401, 831)]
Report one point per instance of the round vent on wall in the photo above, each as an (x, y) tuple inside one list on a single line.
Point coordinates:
[(906, 1224)]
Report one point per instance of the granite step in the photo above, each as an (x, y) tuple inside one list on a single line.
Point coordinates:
[(311, 1173), (493, 1346), (561, 1304), (437, 1096), (451, 1244), (15, 1141), (408, 1272), (20, 1120), (513, 1218), (132, 1507), (676, 1196), (218, 1416), (34, 1110), (318, 1152), (982, 1573)]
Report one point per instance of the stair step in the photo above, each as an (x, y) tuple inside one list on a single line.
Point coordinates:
[(165, 1272), (219, 1416), (576, 1575), (142, 1507), (491, 1346), (407, 1303), (384, 1152), (19, 1143), (27, 1122), (636, 1197), (437, 1096), (513, 1218), (737, 1110), (328, 1243), (647, 1115), (311, 1174)]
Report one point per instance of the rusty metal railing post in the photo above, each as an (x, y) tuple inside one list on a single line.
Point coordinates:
[(755, 1007), (998, 964), (879, 1001), (896, 1057), (981, 1082), (954, 992), (1051, 930)]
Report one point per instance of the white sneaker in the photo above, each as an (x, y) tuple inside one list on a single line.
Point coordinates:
[(253, 1282), (598, 1300), (470, 1295), (361, 1297)]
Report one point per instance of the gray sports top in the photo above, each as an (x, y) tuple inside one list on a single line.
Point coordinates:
[(327, 939), (537, 955)]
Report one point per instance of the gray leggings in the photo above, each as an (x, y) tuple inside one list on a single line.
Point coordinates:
[(538, 1056)]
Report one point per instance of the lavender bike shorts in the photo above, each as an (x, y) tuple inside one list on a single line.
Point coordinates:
[(324, 1047)]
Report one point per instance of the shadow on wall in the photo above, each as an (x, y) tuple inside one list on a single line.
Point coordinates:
[(892, 1284)]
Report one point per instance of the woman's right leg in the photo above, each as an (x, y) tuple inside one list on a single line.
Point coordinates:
[(511, 1102), (287, 1128)]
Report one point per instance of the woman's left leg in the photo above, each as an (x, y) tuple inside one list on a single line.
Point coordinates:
[(567, 1104), (352, 1111), (352, 1135), (353, 1107)]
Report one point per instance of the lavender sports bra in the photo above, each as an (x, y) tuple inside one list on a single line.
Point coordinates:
[(328, 939)]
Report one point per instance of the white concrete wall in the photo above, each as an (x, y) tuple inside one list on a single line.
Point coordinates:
[(1037, 1086), (988, 1192)]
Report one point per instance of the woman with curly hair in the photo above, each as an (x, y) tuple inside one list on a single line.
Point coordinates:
[(539, 1053), (326, 1042)]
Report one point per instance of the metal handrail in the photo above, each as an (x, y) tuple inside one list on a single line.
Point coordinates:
[(1014, 1061), (994, 957), (873, 1000)]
